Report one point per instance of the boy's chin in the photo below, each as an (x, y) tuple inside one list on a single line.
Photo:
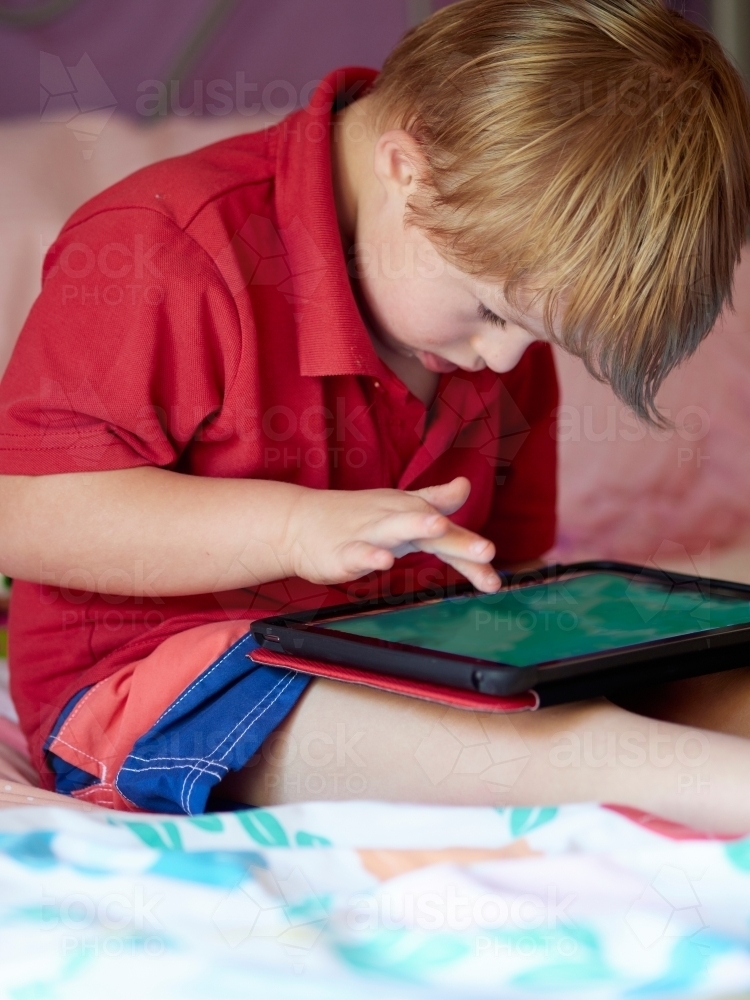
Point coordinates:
[(434, 363)]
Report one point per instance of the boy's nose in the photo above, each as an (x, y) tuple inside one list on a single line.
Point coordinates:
[(505, 349)]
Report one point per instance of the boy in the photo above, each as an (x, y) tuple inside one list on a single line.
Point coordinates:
[(313, 364)]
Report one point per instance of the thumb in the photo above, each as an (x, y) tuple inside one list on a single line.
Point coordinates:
[(448, 497)]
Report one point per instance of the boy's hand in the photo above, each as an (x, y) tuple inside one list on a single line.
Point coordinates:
[(335, 536)]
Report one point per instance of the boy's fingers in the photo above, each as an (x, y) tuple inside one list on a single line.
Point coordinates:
[(448, 497), (395, 529), (458, 543), (482, 576), (359, 558)]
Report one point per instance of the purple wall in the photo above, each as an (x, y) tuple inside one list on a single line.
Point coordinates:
[(124, 44), (130, 42), (696, 10)]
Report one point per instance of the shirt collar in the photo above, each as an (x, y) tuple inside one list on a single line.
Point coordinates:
[(332, 338)]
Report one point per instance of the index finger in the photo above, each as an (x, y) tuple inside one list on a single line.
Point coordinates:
[(459, 543)]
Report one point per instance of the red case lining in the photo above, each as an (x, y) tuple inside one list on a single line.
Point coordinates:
[(440, 693)]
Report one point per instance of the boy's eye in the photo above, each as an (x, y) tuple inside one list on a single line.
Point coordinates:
[(488, 316)]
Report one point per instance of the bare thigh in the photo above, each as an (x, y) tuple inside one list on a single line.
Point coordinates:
[(345, 741)]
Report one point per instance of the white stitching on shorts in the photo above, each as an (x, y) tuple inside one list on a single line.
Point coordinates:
[(83, 754), (203, 676), (193, 764), (211, 762), (204, 759), (208, 761)]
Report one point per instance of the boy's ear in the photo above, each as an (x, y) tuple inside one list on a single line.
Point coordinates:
[(398, 161)]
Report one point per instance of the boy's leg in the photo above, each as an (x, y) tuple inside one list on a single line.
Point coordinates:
[(715, 701), (344, 741)]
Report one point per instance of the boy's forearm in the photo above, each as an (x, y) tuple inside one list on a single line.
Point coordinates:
[(148, 530)]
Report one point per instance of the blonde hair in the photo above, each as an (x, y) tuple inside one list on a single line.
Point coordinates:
[(595, 149)]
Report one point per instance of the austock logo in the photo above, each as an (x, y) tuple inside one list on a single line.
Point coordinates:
[(77, 96), (490, 422), (667, 908), (257, 254), (282, 911), (466, 743)]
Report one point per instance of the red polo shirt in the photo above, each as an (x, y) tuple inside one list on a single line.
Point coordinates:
[(199, 317)]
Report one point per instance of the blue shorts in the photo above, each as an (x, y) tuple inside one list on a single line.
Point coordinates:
[(160, 733)]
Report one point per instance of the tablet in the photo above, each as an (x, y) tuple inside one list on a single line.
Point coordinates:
[(565, 632)]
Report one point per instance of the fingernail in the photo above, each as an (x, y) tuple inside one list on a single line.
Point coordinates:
[(478, 547)]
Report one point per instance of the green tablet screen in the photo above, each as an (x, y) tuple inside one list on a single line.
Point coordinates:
[(584, 614)]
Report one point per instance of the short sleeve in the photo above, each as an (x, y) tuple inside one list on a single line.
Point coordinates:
[(126, 352), (522, 522)]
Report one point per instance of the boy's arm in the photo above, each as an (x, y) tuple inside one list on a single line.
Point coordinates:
[(146, 529)]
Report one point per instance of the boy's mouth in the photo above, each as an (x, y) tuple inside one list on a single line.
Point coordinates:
[(434, 363)]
